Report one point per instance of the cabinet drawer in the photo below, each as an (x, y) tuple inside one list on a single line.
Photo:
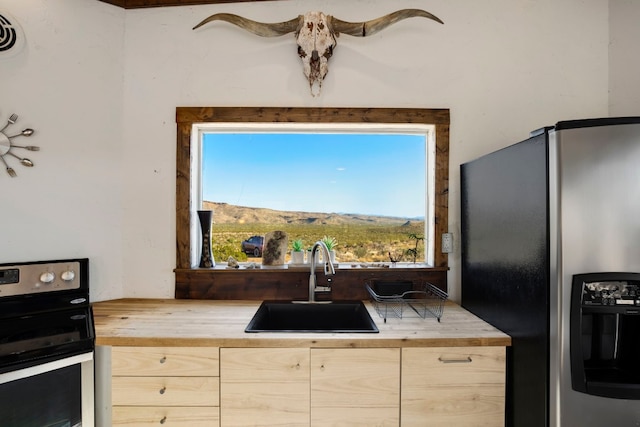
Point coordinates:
[(165, 391), (165, 361), (154, 416), (454, 365), (456, 386), (471, 406)]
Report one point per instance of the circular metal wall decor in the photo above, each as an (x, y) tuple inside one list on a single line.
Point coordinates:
[(7, 146), (11, 35)]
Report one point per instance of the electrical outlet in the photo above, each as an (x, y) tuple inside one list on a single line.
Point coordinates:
[(447, 243)]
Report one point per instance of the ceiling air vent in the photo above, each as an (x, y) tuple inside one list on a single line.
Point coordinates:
[(11, 35)]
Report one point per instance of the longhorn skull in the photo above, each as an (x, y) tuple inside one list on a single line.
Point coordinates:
[(316, 35)]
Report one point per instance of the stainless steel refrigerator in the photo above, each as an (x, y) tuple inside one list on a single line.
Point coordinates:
[(551, 255)]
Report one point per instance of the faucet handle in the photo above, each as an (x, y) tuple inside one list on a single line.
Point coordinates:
[(329, 269), (326, 288)]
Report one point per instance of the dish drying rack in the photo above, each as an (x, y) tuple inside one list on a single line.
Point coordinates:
[(399, 298)]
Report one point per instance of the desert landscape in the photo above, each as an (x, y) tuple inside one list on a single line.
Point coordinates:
[(361, 238)]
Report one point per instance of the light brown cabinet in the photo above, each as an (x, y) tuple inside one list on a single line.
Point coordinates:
[(318, 387), (355, 387), (302, 387), (453, 386), (264, 386), (169, 386)]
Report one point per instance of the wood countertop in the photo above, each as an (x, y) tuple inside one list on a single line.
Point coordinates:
[(221, 323)]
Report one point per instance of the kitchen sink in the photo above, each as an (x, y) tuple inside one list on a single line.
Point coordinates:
[(293, 316)]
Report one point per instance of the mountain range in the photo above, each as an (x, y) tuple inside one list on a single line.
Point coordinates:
[(225, 213)]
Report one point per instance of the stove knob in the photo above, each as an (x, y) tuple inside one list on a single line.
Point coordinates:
[(68, 275), (47, 277)]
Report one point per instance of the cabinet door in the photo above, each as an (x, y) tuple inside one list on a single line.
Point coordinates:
[(355, 387), (453, 386), (264, 386)]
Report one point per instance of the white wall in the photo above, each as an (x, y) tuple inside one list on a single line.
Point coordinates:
[(67, 85), (624, 61), (503, 67)]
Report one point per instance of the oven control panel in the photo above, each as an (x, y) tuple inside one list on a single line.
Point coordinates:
[(35, 278)]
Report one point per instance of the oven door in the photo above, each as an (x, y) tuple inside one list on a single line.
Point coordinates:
[(46, 369), (52, 394), (33, 339)]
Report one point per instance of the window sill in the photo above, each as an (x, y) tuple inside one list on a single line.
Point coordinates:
[(288, 284), (247, 266)]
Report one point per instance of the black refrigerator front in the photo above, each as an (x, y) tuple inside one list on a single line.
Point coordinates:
[(505, 230)]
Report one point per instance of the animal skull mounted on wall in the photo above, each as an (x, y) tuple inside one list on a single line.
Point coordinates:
[(316, 35)]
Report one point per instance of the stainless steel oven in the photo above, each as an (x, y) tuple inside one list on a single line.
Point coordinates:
[(47, 343)]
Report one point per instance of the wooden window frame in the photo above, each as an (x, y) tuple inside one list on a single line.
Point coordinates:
[(139, 4), (210, 283)]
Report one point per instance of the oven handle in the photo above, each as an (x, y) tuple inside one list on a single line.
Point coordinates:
[(45, 367)]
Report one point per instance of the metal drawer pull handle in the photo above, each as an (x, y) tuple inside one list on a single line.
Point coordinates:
[(163, 389), (164, 359), (163, 420), (466, 360)]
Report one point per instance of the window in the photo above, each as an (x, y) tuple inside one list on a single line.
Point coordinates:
[(370, 186), (191, 119)]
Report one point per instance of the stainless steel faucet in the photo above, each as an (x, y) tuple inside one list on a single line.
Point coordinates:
[(328, 268)]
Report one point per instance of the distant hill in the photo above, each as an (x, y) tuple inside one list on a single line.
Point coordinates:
[(224, 213)]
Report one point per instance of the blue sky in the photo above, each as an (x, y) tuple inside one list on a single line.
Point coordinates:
[(343, 173)]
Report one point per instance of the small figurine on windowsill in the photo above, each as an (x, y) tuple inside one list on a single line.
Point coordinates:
[(232, 263), (275, 248)]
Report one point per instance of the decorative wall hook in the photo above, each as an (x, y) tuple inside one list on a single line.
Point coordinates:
[(7, 145)]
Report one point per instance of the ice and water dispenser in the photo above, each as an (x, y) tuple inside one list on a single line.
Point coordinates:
[(605, 334)]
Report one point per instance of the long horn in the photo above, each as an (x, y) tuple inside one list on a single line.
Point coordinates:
[(368, 28), (258, 28)]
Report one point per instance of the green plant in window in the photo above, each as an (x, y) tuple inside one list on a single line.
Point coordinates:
[(331, 242), (297, 245)]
